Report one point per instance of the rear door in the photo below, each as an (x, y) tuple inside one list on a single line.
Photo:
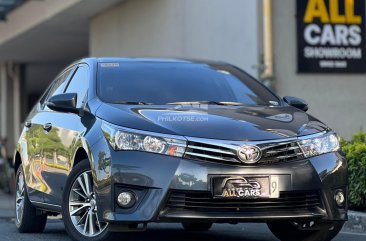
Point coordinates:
[(63, 137)]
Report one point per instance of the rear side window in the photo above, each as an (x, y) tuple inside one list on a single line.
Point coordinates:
[(79, 84)]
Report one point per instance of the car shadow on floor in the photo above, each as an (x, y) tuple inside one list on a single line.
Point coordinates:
[(181, 235), (173, 232), (170, 232)]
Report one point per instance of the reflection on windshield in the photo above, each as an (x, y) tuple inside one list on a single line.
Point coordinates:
[(161, 83)]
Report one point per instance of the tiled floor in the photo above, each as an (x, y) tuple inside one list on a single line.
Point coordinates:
[(6, 205)]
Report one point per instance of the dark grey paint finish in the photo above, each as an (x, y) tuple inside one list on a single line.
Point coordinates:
[(160, 174), (228, 123), (46, 172)]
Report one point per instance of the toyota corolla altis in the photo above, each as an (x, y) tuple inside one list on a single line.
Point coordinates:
[(117, 143)]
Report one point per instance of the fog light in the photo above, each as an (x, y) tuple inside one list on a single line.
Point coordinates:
[(339, 197), (126, 199)]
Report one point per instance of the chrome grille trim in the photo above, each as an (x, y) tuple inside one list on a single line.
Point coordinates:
[(211, 149), (289, 156), (225, 151), (280, 150), (212, 157)]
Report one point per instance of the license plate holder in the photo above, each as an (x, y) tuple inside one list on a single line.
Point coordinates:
[(245, 186)]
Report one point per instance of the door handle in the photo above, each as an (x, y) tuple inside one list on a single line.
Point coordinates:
[(28, 124), (47, 127)]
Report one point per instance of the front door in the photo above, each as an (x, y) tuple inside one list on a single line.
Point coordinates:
[(37, 131), (63, 137)]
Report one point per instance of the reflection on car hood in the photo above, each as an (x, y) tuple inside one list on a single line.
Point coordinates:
[(215, 122)]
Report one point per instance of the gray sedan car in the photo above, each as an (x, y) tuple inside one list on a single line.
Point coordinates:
[(117, 143)]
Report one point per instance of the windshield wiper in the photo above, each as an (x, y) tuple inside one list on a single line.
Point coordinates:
[(206, 102), (131, 102)]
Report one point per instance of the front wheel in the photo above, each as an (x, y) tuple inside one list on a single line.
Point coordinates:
[(80, 206), (286, 231)]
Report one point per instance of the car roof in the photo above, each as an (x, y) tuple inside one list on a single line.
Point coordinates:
[(156, 60)]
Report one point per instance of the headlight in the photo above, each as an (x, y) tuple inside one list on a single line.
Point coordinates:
[(320, 145), (121, 138)]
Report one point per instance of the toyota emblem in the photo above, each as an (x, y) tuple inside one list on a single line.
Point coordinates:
[(249, 154)]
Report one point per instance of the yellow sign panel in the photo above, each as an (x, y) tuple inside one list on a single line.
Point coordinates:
[(317, 9)]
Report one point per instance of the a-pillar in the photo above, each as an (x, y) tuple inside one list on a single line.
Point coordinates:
[(15, 75), (3, 101)]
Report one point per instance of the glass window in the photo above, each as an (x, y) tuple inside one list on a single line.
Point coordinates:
[(57, 86), (79, 84), (165, 82)]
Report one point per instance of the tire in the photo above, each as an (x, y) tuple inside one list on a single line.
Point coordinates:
[(83, 231), (286, 231), (197, 226), (27, 218), (9, 179), (3, 175)]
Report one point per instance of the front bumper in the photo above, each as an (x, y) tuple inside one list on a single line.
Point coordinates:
[(306, 188)]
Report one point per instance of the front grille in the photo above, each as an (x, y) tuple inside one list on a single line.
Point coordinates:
[(201, 201), (207, 152), (271, 152), (280, 152)]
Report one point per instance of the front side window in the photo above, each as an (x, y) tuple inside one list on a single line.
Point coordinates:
[(79, 84), (164, 83), (57, 87)]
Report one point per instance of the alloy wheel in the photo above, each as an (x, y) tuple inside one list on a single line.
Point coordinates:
[(83, 207), (19, 198)]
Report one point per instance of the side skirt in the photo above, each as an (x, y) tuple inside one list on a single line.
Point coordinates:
[(47, 206)]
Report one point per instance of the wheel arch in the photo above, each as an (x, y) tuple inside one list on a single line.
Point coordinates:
[(85, 148), (80, 154), (17, 161), (82, 151)]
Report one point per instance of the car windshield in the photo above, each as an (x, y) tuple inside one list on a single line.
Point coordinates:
[(172, 82)]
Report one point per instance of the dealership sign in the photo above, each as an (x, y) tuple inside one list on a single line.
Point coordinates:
[(331, 36)]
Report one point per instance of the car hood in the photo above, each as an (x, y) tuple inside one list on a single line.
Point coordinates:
[(241, 123)]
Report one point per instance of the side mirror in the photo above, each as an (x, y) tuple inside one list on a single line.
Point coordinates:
[(296, 102), (63, 103)]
